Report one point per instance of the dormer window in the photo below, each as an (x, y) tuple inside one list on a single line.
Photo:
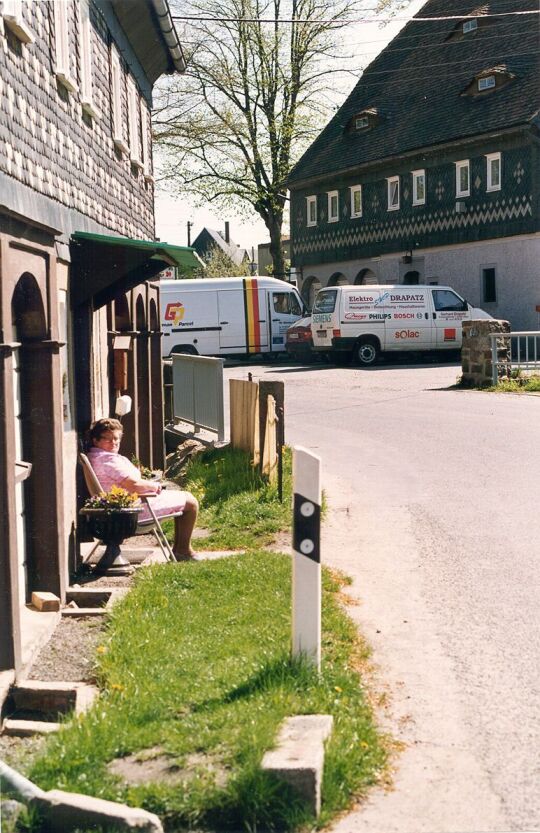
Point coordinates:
[(486, 83), (489, 81), (470, 26), (364, 120)]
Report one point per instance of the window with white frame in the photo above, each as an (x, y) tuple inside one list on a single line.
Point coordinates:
[(470, 26), (62, 66), (356, 201), (333, 206), (463, 178), (311, 210), (146, 145), (117, 79), (133, 120), (86, 78), (393, 193), (419, 187), (12, 17), (486, 83), (493, 163)]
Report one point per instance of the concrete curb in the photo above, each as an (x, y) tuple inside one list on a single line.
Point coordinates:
[(298, 757)]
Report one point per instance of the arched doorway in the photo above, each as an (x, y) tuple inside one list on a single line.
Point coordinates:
[(366, 276), (411, 278), (123, 323), (310, 288), (337, 279), (35, 497)]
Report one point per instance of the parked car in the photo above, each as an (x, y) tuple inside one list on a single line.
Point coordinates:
[(298, 341)]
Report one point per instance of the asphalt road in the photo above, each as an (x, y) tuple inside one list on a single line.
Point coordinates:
[(433, 497)]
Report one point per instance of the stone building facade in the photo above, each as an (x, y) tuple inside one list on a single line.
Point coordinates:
[(429, 172), (79, 321)]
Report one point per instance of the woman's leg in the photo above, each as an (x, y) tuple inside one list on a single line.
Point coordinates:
[(183, 527)]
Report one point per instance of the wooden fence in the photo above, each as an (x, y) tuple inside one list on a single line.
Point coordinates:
[(257, 423)]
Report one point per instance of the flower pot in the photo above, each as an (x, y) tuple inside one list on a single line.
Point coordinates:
[(112, 526)]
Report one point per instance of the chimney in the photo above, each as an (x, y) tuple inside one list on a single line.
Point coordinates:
[(227, 236)]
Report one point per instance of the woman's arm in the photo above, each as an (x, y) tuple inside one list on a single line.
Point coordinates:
[(141, 486)]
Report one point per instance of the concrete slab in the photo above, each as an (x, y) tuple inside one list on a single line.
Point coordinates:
[(37, 628), (27, 728), (298, 757), (71, 811)]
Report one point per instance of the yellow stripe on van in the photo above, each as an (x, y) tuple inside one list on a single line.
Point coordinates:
[(251, 308)]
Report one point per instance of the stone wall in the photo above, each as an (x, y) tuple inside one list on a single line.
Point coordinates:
[(476, 357)]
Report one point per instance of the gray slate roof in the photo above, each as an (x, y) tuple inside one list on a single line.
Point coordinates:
[(211, 236), (416, 85)]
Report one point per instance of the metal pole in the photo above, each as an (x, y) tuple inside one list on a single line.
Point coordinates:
[(494, 369), (306, 577)]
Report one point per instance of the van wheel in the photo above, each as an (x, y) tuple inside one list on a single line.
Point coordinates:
[(366, 352)]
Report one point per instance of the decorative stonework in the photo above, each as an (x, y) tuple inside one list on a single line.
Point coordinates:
[(398, 229), (48, 144)]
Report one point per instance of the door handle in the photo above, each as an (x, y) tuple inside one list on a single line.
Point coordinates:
[(426, 315), (434, 315), (223, 322)]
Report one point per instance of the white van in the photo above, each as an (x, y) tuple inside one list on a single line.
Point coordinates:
[(227, 316), (363, 321)]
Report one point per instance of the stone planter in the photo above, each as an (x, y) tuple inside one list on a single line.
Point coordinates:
[(112, 526)]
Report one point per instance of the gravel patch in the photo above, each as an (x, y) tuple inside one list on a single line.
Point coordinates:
[(70, 653)]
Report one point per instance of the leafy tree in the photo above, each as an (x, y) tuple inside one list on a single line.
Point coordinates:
[(254, 95), (218, 265)]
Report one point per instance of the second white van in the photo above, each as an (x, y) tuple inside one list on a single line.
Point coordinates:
[(361, 322)]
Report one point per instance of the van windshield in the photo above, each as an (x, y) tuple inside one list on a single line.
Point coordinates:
[(444, 300), (325, 301)]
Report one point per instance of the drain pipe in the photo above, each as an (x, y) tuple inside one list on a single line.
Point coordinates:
[(16, 783)]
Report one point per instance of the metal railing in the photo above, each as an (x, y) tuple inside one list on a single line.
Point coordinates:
[(524, 353), (197, 396)]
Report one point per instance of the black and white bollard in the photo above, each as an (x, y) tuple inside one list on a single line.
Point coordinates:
[(306, 575)]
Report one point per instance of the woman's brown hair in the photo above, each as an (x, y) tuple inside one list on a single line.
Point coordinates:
[(101, 426)]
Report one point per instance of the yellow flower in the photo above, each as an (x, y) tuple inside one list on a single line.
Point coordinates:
[(117, 687), (101, 649), (337, 688)]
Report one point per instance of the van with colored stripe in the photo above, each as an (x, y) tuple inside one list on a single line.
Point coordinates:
[(227, 316), (363, 321)]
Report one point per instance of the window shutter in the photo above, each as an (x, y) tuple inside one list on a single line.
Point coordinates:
[(116, 91), (133, 116)]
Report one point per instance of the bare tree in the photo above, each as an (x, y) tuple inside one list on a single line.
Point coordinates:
[(257, 88)]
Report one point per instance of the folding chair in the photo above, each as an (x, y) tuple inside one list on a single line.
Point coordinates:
[(151, 525)]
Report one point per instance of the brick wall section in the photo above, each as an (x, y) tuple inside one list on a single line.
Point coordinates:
[(476, 356), (49, 145)]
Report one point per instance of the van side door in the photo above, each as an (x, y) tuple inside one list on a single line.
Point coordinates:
[(284, 308), (408, 319), (449, 311)]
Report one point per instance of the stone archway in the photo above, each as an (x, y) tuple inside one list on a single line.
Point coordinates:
[(411, 278), (310, 287), (156, 385), (337, 279), (142, 403), (366, 277), (36, 404)]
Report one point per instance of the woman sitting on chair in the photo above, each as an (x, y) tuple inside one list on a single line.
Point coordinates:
[(112, 469)]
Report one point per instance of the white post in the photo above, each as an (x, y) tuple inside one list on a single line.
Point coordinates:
[(306, 575)]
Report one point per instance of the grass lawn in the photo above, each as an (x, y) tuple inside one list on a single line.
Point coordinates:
[(196, 678)]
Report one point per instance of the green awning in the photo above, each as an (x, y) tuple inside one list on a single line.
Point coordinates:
[(105, 266)]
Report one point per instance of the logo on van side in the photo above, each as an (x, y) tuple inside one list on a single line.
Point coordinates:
[(361, 299), (406, 297), (379, 316), (407, 334), (175, 312)]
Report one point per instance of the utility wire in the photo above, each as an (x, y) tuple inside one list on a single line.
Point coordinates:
[(336, 21)]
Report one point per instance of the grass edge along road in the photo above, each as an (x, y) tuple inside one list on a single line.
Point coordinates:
[(196, 677)]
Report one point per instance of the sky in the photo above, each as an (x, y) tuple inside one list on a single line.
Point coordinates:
[(173, 214)]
